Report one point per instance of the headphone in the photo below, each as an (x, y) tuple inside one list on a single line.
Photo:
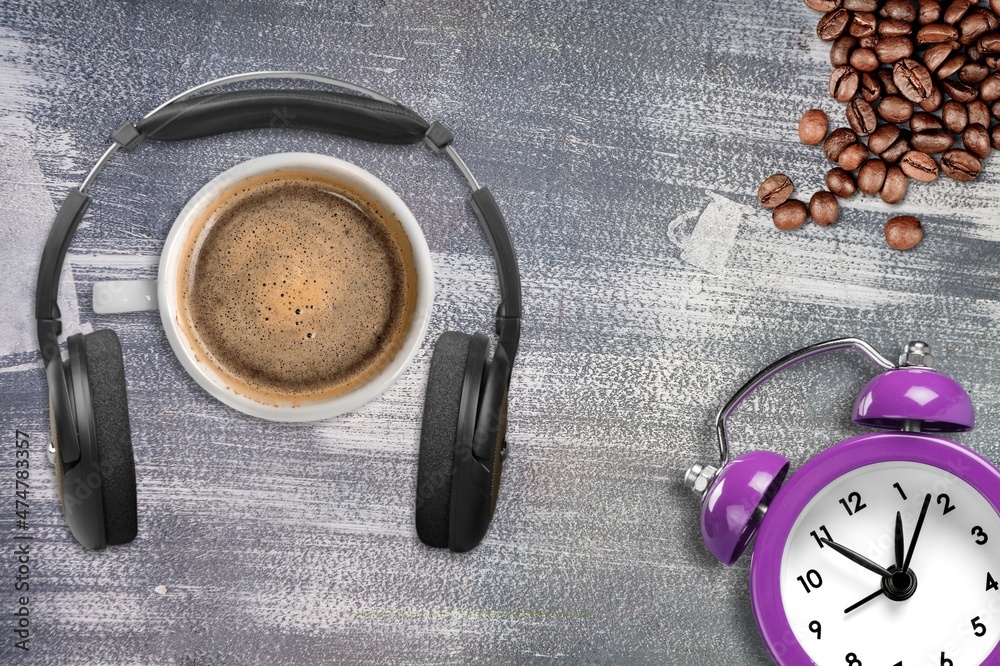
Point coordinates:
[(463, 436)]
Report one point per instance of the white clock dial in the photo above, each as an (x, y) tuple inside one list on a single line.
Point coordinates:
[(953, 615)]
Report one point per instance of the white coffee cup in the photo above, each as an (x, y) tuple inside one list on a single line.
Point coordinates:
[(167, 293)]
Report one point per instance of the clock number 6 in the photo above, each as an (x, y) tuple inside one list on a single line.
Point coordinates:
[(945, 661), (856, 499), (977, 531), (812, 581), (978, 627)]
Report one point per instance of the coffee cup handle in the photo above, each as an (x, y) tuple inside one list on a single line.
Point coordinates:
[(113, 297)]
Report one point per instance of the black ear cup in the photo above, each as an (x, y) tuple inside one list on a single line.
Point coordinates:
[(438, 435), (106, 377), (499, 453)]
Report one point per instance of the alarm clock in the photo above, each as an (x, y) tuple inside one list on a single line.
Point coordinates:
[(884, 549)]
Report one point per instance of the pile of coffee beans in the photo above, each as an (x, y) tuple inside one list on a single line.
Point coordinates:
[(920, 83)]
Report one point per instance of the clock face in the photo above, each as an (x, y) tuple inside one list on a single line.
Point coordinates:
[(947, 608), (815, 596)]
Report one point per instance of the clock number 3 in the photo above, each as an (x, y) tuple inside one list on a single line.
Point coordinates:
[(981, 536), (855, 499)]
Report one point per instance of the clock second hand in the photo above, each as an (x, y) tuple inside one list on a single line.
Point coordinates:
[(873, 595), (899, 551)]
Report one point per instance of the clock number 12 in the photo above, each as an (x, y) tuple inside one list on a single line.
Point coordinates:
[(853, 498)]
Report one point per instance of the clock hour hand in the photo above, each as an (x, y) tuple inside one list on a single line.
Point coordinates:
[(873, 595), (899, 540), (857, 558), (916, 533)]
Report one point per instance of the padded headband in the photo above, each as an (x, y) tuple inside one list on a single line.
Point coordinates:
[(372, 118)]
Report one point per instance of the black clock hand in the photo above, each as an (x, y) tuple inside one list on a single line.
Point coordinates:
[(873, 595), (916, 533), (899, 540), (858, 559)]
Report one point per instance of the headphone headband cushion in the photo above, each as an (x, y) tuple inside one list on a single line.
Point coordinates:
[(106, 376)]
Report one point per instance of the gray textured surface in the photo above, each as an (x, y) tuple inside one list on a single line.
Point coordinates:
[(597, 125)]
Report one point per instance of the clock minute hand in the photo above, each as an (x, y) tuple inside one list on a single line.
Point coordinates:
[(916, 533), (857, 558)]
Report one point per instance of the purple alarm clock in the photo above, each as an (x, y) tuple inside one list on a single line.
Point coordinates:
[(884, 549)]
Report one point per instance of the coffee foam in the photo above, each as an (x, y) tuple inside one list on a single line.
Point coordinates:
[(296, 287)]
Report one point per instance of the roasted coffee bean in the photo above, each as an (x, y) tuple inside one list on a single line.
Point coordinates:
[(833, 24), (899, 10), (936, 33), (935, 56), (837, 140), (840, 50), (955, 116), (989, 88), (861, 5), (992, 61), (853, 156), (812, 127), (925, 122), (959, 91), (864, 60), (894, 188), (893, 49), (868, 42), (824, 5), (960, 165), (956, 9), (989, 44), (893, 28), (928, 11), (933, 142), (844, 82), (861, 117), (933, 101), (775, 190), (870, 88), (888, 84), (894, 153), (977, 23), (919, 166), (824, 208), (995, 137), (995, 6), (951, 65), (994, 111), (895, 109), (863, 24), (871, 176), (882, 138), (841, 183), (974, 54), (978, 112), (912, 79), (790, 215), (972, 73), (903, 232), (976, 139)]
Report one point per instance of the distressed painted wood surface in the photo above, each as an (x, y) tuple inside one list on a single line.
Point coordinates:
[(625, 141)]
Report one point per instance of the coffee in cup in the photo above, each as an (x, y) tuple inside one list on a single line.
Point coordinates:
[(297, 292)]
